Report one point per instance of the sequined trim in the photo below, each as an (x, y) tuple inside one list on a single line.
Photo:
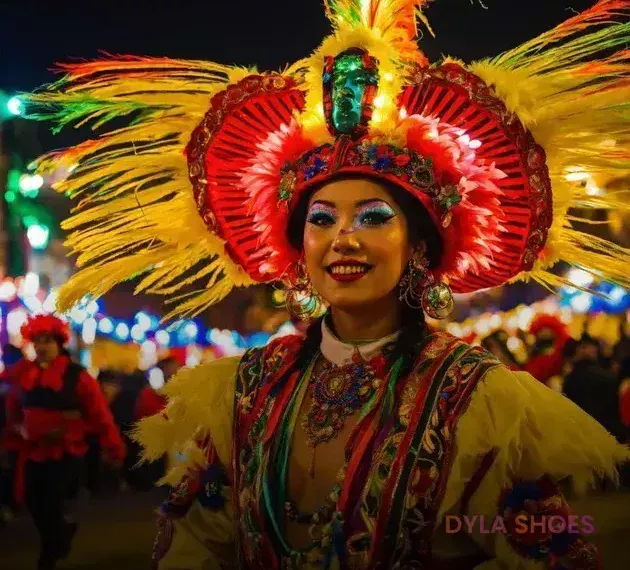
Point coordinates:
[(221, 105), (532, 155)]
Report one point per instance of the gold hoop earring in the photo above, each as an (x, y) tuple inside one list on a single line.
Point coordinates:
[(302, 301), (419, 290)]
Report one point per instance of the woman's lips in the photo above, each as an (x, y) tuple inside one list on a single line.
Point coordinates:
[(347, 275)]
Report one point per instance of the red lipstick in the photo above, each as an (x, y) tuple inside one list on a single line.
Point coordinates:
[(358, 270)]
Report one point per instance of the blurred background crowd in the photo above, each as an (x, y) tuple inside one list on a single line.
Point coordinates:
[(582, 353), (576, 342)]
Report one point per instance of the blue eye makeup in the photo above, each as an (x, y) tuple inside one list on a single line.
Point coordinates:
[(321, 215), (374, 214)]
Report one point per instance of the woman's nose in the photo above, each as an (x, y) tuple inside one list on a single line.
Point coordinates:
[(346, 240)]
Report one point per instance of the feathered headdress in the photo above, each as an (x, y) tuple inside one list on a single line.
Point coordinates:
[(551, 323), (485, 147), (45, 324)]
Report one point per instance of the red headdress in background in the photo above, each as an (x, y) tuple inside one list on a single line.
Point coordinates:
[(551, 323), (45, 324), (550, 363)]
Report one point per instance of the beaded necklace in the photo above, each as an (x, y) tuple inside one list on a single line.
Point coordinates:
[(326, 523), (337, 393)]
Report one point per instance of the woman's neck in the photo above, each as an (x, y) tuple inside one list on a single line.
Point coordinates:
[(365, 323)]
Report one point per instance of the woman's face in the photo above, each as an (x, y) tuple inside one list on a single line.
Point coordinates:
[(356, 243), (46, 348)]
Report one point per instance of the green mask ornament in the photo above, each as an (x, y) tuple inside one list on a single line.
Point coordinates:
[(350, 82)]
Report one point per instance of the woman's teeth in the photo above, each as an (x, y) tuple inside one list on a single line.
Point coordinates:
[(348, 269)]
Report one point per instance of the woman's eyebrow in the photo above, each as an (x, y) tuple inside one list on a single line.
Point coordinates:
[(357, 204), (323, 203), (370, 201)]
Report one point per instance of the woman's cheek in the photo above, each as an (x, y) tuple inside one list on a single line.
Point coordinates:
[(386, 242), (317, 242)]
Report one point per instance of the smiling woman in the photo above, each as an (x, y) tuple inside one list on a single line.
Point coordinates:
[(356, 246), (366, 181)]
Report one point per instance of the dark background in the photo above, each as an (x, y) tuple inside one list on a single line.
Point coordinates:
[(267, 33)]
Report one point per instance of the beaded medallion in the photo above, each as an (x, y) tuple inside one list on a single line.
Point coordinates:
[(338, 392)]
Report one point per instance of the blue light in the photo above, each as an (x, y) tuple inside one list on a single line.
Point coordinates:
[(106, 326), (122, 331), (137, 333), (258, 339), (191, 330), (143, 320), (239, 341), (616, 296), (162, 338)]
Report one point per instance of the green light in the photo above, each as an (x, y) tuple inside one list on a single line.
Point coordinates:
[(30, 185), (10, 196), (13, 180), (38, 236), (15, 106), (30, 220)]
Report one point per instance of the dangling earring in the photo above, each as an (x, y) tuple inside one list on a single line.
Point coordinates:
[(419, 290), (302, 301)]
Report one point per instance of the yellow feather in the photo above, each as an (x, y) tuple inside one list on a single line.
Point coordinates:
[(576, 108), (136, 214)]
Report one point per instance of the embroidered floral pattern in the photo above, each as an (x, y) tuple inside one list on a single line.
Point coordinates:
[(288, 184), (382, 158), (210, 494), (403, 480), (163, 541), (338, 391), (528, 508)]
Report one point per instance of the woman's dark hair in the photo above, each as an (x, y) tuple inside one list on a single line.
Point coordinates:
[(420, 228)]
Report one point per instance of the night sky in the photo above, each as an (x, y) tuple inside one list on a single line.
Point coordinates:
[(269, 33)]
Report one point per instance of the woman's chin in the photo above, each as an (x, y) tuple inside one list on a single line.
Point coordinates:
[(343, 300)]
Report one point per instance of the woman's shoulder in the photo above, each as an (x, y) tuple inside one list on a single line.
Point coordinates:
[(257, 363), (199, 402), (441, 346), (203, 383), (537, 429)]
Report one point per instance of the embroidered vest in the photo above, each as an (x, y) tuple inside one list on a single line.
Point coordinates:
[(64, 400), (396, 468)]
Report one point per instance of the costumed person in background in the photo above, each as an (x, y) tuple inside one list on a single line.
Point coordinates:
[(547, 357), (122, 382), (49, 409), (372, 184), (496, 344), (594, 388), (11, 356), (151, 402)]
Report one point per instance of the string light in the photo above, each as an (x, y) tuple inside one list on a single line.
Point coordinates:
[(581, 303), (162, 337), (137, 333), (106, 326), (8, 291), (156, 378), (122, 331), (88, 334)]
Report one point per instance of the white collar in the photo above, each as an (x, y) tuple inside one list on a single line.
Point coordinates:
[(341, 353)]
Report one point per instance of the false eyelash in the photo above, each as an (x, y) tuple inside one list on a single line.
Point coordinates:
[(383, 210), (321, 213)]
